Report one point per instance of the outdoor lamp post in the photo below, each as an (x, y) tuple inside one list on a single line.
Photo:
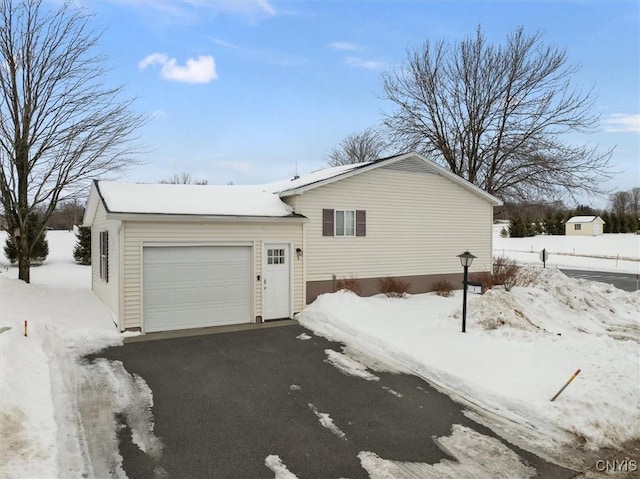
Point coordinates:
[(466, 259)]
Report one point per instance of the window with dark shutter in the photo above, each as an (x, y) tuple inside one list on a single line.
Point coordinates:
[(327, 222), (361, 223)]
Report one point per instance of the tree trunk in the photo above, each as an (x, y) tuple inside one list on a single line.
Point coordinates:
[(24, 262)]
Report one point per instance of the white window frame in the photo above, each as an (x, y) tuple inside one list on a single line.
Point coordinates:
[(344, 223), (577, 227)]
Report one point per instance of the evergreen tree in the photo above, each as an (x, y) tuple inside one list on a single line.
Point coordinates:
[(624, 223), (615, 223), (82, 250), (517, 228), (39, 246), (558, 223), (529, 227)]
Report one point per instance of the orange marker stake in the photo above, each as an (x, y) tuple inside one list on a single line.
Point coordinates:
[(565, 385), (25, 327)]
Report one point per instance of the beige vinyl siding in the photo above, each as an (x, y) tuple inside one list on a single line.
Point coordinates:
[(586, 228), (106, 291), (139, 233), (416, 224)]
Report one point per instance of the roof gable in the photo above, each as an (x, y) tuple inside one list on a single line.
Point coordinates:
[(405, 162)]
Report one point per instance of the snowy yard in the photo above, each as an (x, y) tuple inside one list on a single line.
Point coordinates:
[(519, 349), (617, 253)]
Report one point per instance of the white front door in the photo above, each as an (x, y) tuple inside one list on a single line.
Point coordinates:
[(276, 281)]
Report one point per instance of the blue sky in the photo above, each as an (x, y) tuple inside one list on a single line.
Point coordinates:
[(243, 91)]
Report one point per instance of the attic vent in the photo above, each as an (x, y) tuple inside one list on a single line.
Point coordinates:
[(295, 178)]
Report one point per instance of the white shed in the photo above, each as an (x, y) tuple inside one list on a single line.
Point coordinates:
[(584, 226)]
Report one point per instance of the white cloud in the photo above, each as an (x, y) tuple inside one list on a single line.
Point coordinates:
[(344, 46), (199, 70), (368, 64), (622, 123)]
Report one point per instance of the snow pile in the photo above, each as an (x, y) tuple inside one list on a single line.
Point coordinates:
[(58, 413), (519, 349), (587, 307)]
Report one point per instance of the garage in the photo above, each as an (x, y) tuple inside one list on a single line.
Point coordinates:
[(196, 286)]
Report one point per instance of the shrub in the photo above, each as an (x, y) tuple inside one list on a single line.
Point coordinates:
[(393, 287), (82, 250), (443, 288), (505, 273), (504, 233), (352, 284)]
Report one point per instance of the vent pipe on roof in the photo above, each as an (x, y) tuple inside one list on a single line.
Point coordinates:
[(295, 174)]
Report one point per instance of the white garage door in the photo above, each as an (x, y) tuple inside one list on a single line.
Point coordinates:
[(196, 286)]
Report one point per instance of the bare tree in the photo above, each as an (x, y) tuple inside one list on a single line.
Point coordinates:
[(496, 116), (367, 145), (183, 178), (634, 202), (59, 125), (620, 202)]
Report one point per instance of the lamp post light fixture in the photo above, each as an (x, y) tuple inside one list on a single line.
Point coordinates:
[(466, 259)]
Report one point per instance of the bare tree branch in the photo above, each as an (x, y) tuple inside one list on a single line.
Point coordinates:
[(497, 116), (59, 124), (183, 178), (367, 145)]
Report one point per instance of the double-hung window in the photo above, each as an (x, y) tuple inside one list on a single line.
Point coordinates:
[(344, 223)]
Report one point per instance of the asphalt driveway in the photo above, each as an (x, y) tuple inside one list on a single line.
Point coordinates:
[(225, 402)]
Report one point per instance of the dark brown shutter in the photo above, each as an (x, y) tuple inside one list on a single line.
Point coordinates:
[(101, 252), (361, 223), (106, 254), (327, 222)]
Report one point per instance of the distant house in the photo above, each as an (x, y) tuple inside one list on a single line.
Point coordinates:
[(584, 226), (183, 256)]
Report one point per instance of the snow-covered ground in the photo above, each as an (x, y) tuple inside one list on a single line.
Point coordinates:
[(609, 252), (40, 376), (520, 347)]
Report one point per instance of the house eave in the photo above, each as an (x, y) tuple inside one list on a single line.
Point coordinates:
[(185, 218)]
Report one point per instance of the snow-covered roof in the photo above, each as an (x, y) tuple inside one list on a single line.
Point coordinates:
[(227, 200), (237, 200), (311, 178), (582, 219)]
